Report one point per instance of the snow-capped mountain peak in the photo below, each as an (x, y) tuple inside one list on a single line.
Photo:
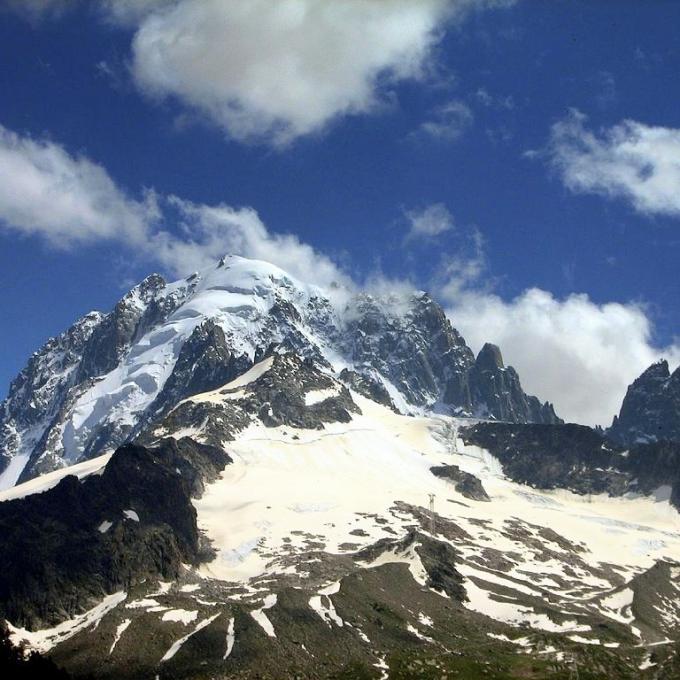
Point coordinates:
[(163, 341)]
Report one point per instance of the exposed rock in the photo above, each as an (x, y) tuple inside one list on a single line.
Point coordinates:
[(36, 394), (205, 363), (277, 397), (466, 484), (113, 336), (100, 384), (578, 458), (367, 386), (71, 545), (571, 457), (498, 393), (651, 408)]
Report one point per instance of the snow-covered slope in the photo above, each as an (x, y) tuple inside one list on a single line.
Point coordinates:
[(107, 378), (322, 536)]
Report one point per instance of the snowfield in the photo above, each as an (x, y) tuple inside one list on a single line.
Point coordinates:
[(291, 489), (292, 495)]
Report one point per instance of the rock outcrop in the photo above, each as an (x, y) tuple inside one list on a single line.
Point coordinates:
[(651, 408)]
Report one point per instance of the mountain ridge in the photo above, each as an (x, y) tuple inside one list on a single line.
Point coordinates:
[(119, 371)]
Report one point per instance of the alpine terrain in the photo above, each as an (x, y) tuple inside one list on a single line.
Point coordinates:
[(240, 475)]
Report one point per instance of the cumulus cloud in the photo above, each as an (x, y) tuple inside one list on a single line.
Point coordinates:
[(276, 71), (429, 222), (66, 199), (632, 161), (578, 354), (448, 122)]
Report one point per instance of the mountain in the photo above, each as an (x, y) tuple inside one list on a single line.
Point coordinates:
[(110, 376), (651, 408), (241, 476)]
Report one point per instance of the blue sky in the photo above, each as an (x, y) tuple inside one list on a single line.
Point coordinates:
[(521, 160)]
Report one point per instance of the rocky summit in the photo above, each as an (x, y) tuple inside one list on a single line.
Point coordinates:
[(239, 475), (651, 408)]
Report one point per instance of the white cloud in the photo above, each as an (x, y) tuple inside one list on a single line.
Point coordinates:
[(448, 122), (66, 199), (429, 222), (276, 71), (578, 354), (632, 161), (270, 71)]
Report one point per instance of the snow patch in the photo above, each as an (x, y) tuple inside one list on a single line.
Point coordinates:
[(178, 644), (122, 627), (261, 618), (180, 616)]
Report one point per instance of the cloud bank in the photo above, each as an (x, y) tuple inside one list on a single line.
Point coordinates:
[(208, 232), (70, 200), (631, 161)]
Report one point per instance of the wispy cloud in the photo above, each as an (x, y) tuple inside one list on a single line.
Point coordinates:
[(428, 222), (448, 122)]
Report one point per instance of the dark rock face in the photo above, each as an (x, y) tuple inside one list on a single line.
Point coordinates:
[(367, 386), (277, 397), (466, 484), (552, 456), (60, 552), (578, 458), (413, 344), (41, 397), (499, 389), (438, 559), (35, 395), (655, 601), (205, 363), (651, 408), (415, 348), (19, 664), (399, 350), (116, 331)]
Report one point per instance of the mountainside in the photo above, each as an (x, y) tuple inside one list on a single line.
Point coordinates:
[(240, 476), (111, 376), (278, 527), (651, 408)]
